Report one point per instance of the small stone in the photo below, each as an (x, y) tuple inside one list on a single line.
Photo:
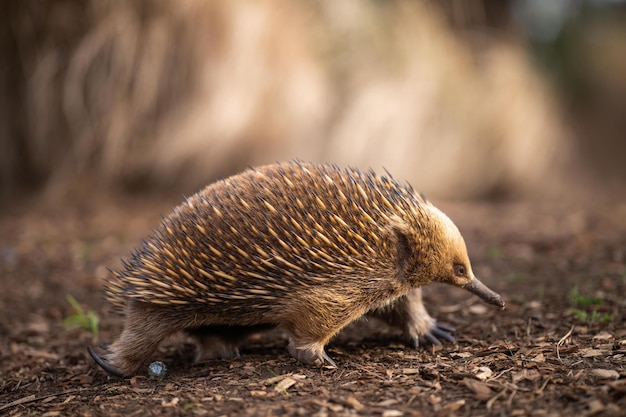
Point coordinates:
[(157, 370)]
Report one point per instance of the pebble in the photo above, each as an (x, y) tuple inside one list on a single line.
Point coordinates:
[(157, 370)]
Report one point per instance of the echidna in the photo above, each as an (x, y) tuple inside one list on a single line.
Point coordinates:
[(307, 247)]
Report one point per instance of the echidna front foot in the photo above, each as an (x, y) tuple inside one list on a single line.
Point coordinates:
[(409, 314), (433, 335), (418, 325), (312, 354)]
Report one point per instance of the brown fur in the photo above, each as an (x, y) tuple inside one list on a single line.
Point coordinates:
[(309, 248)]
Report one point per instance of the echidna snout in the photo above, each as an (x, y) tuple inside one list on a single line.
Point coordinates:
[(454, 263), (305, 247)]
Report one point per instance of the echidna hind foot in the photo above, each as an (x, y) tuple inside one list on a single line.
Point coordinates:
[(311, 354), (145, 329), (409, 314)]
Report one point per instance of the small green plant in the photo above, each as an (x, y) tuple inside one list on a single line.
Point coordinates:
[(585, 314), (593, 317), (602, 318), (87, 320), (577, 299), (580, 314)]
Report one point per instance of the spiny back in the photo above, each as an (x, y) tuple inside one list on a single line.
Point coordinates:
[(268, 231)]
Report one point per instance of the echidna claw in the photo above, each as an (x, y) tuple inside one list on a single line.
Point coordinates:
[(430, 338), (104, 364), (328, 359), (433, 336), (440, 331), (315, 355), (445, 328)]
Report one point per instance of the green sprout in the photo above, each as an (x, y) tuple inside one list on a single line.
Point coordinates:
[(582, 301), (87, 320), (593, 317)]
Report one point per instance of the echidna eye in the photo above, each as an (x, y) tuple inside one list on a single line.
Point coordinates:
[(459, 270)]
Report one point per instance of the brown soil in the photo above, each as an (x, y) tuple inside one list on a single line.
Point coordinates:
[(549, 353)]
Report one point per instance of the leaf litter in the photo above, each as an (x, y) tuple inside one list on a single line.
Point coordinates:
[(534, 358)]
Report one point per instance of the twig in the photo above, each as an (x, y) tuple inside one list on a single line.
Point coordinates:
[(560, 343), (33, 397), (494, 398)]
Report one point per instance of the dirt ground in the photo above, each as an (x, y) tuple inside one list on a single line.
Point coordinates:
[(559, 347)]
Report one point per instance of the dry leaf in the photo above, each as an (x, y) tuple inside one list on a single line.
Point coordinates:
[(172, 403), (352, 402), (480, 389), (454, 406), (590, 353), (462, 355), (483, 373), (274, 379), (392, 413), (525, 374), (284, 384), (539, 358), (603, 337), (605, 373)]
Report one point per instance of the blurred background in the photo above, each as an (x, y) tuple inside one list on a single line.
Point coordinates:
[(465, 99)]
